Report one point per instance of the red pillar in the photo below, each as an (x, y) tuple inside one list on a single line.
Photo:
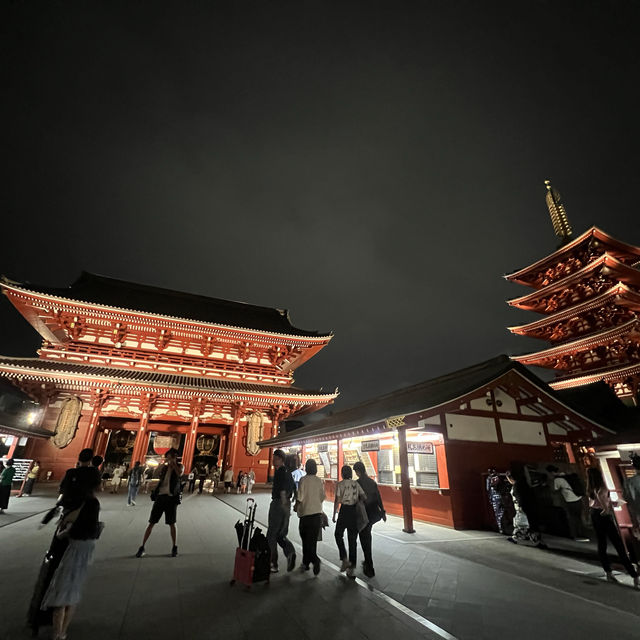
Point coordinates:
[(12, 448), (98, 397), (405, 486), (190, 443), (102, 440), (142, 440)]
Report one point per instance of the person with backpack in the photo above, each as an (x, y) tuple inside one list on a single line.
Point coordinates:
[(348, 494), (569, 488), (375, 513)]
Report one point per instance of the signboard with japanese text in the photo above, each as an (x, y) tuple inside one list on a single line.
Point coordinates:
[(370, 445), (420, 447)]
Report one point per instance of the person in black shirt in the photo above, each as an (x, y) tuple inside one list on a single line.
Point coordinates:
[(279, 513), (79, 482), (375, 513)]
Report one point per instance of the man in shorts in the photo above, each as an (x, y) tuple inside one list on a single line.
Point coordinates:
[(166, 497)]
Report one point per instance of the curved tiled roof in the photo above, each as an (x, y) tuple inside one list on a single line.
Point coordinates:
[(157, 378), (132, 296)]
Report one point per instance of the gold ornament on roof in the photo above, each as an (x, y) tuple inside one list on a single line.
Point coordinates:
[(558, 214)]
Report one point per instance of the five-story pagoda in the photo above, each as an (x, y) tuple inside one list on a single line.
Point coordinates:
[(588, 293)]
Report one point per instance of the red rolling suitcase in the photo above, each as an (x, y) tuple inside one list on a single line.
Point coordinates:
[(244, 569)]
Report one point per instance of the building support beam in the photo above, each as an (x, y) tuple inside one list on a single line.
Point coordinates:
[(405, 486), (98, 397), (190, 443)]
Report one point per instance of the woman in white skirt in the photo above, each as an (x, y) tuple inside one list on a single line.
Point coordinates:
[(66, 585)]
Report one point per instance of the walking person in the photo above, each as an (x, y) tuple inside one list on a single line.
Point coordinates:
[(166, 498), (79, 484), (32, 476), (192, 480), (65, 589), (309, 500), (202, 476), (118, 472), (135, 478), (348, 492), (375, 513), (605, 526), (251, 480), (6, 480), (280, 512), (239, 481), (228, 479)]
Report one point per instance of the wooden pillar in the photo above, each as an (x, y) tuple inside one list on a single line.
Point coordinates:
[(98, 396), (102, 440), (12, 447), (190, 443), (405, 486), (142, 440)]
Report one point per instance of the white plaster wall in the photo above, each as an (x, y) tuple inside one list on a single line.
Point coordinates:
[(522, 432), (471, 428)]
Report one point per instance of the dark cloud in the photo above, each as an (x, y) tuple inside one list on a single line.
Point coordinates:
[(375, 167)]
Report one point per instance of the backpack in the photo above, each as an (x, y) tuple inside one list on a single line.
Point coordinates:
[(262, 561), (576, 484)]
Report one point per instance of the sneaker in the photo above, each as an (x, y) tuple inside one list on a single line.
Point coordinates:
[(133, 503), (581, 539), (140, 552), (291, 561), (368, 571), (510, 539), (174, 551), (316, 568), (350, 573), (274, 568), (344, 565), (612, 578), (304, 567)]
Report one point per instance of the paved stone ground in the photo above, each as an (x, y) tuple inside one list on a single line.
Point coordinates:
[(437, 583)]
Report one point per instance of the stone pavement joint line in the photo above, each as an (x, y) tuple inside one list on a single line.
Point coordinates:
[(427, 624)]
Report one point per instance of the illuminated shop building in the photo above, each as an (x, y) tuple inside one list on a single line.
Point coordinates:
[(428, 445), (131, 370), (588, 294)]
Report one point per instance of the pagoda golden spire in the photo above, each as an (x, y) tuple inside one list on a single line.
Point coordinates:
[(558, 214)]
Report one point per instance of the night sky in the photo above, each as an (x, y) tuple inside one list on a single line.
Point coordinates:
[(374, 167)]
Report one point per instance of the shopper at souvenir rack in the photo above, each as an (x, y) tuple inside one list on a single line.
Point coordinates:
[(571, 501), (605, 526), (375, 513), (309, 500), (349, 495), (166, 497)]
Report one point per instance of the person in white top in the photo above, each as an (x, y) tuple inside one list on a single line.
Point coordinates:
[(228, 479), (309, 500), (251, 480), (348, 492), (603, 519), (118, 472), (572, 503)]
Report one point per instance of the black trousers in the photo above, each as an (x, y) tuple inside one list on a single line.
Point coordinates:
[(365, 543), (309, 529), (606, 528), (347, 520), (574, 518)]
